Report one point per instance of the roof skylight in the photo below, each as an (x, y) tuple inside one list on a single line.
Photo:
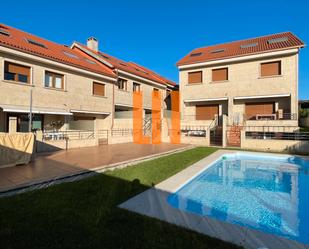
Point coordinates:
[(106, 57), (249, 45), (122, 64), (196, 54), (277, 40), (4, 32), (219, 50), (70, 55), (36, 43), (90, 61)]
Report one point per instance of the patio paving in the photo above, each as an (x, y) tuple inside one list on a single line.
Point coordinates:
[(71, 162)]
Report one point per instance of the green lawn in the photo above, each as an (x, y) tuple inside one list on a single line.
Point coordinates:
[(84, 214)]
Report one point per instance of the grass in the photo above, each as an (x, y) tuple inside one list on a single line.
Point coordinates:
[(84, 214)]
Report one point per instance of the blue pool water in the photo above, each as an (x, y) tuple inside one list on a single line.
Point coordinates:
[(268, 193)]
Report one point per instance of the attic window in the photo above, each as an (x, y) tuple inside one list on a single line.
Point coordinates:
[(90, 61), (277, 40), (122, 64), (36, 43), (3, 27), (3, 32), (106, 57), (249, 45), (70, 55), (196, 54), (217, 50)]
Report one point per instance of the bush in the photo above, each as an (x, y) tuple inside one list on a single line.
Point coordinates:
[(303, 113)]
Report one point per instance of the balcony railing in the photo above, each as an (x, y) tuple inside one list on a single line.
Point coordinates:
[(274, 116)]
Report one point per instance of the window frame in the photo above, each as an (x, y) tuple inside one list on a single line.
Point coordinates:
[(192, 83), (269, 62), (99, 83), (28, 83), (125, 88), (216, 69), (53, 73)]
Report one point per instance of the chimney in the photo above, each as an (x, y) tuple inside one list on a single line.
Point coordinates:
[(93, 43)]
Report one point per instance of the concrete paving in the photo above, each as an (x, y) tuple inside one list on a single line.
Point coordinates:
[(75, 161)]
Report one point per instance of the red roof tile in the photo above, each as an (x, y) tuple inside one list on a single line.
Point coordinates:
[(131, 67), (257, 45), (19, 40)]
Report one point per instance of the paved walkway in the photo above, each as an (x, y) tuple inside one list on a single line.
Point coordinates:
[(74, 161)]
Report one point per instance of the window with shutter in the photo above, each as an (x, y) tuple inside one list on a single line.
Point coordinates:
[(98, 89), (195, 77), (271, 69), (206, 112), (16, 72), (219, 74)]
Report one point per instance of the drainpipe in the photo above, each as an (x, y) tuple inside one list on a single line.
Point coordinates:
[(30, 112), (113, 102)]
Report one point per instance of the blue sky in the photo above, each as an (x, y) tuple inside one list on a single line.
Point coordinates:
[(158, 33)]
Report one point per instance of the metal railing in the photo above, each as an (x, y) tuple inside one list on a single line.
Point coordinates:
[(274, 116), (121, 132), (300, 136), (263, 128), (68, 135)]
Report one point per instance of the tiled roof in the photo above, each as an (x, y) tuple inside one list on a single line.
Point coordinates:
[(31, 44), (131, 67), (268, 43)]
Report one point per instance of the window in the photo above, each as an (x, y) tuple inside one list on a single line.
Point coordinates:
[(16, 72), (54, 80), (271, 68), (249, 45), (277, 40), (206, 112), (195, 77), (259, 110), (220, 74), (122, 84), (196, 54), (136, 87), (3, 32), (70, 55), (217, 51), (36, 43), (98, 89), (156, 92)]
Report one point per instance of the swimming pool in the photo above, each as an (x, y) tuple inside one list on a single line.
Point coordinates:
[(267, 193)]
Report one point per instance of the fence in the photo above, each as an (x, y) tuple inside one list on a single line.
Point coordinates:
[(274, 116), (68, 135), (300, 136)]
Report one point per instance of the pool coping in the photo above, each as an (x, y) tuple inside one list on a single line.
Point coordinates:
[(153, 203)]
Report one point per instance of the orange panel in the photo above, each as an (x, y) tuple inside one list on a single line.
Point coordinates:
[(156, 117), (175, 129)]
